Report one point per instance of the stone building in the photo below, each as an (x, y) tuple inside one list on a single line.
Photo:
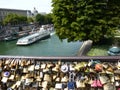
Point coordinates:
[(4, 12)]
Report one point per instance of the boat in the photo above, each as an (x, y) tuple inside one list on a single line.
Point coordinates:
[(114, 51), (40, 35), (14, 37)]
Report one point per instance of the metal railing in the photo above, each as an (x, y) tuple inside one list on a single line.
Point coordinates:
[(81, 58), (46, 73)]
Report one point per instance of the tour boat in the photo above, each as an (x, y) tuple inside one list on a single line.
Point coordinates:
[(40, 35)]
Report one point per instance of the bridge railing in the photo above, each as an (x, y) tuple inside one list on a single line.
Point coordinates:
[(59, 73), (81, 58)]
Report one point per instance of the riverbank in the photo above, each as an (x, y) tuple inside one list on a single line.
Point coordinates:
[(99, 50), (96, 50)]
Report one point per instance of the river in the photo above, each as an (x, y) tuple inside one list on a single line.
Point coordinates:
[(49, 47)]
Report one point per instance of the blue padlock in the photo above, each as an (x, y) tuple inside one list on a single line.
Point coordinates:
[(71, 84)]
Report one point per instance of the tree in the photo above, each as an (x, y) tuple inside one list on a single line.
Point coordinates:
[(14, 19), (40, 18), (30, 20), (48, 18), (43, 19), (85, 19)]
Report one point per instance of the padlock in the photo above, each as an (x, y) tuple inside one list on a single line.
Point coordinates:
[(56, 68), (4, 79), (45, 84), (13, 86), (117, 77), (108, 86), (9, 88), (29, 75), (51, 88), (59, 86), (11, 77), (65, 79), (43, 65), (37, 67), (99, 84), (6, 74), (45, 70), (25, 70), (7, 62), (23, 63), (38, 78), (59, 63), (94, 83), (80, 65), (31, 68), (28, 62), (28, 81), (57, 79), (47, 78), (118, 64), (80, 84), (13, 64), (104, 79), (71, 84), (117, 84), (98, 67), (71, 67), (50, 65), (64, 68), (18, 83), (112, 78), (41, 74), (54, 77)]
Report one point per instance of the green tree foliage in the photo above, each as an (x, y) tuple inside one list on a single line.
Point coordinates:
[(43, 19), (40, 18), (30, 19), (48, 18), (85, 19), (14, 19)]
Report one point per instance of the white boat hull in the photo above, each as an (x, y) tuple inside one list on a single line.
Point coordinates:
[(36, 37)]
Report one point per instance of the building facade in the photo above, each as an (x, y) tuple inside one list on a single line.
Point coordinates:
[(4, 12)]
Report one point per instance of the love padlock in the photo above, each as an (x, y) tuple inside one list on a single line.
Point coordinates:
[(71, 84)]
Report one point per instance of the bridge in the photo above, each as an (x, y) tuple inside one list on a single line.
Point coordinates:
[(52, 73)]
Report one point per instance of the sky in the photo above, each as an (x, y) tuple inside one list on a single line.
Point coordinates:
[(40, 5)]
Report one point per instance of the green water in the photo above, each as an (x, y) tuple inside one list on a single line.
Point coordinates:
[(49, 47)]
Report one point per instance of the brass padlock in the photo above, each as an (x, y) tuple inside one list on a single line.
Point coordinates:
[(25, 70), (47, 77), (31, 68)]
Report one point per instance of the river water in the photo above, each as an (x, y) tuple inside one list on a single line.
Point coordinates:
[(49, 47)]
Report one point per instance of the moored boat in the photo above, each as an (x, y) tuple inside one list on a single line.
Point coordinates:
[(40, 35)]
